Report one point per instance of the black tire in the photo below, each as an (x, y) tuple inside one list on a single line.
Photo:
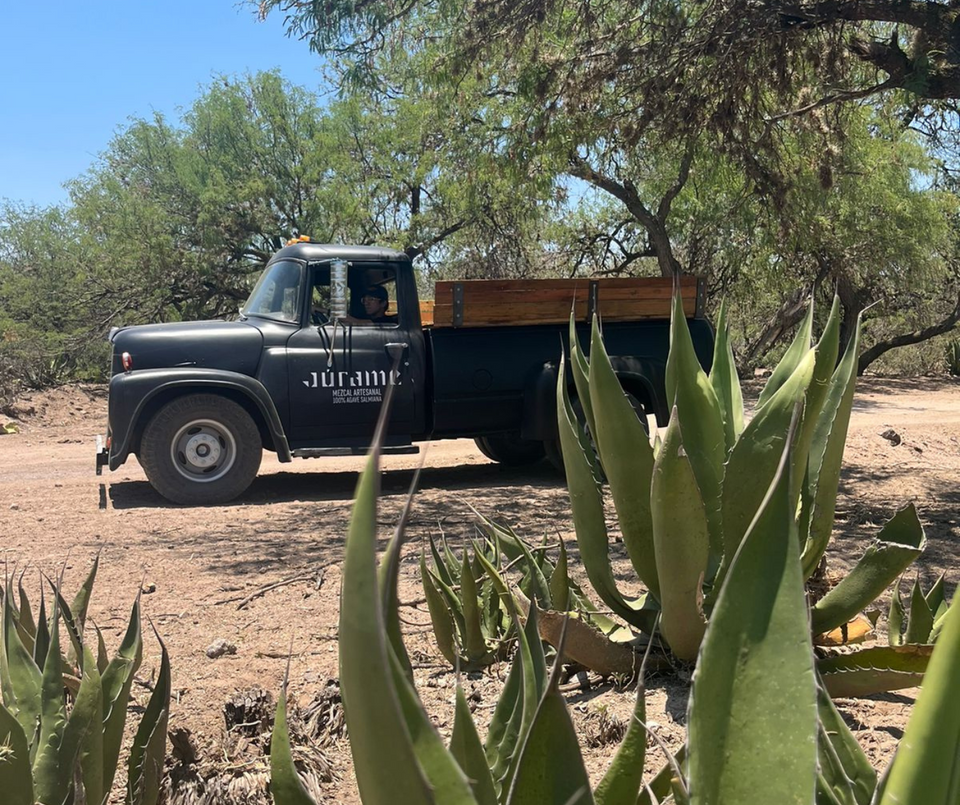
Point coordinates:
[(201, 449), (510, 450)]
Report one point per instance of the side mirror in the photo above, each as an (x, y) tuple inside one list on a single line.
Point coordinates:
[(338, 289)]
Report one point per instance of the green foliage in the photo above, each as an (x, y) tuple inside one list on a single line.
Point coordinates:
[(62, 714)]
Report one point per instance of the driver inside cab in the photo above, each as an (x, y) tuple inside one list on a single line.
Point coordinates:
[(375, 301)]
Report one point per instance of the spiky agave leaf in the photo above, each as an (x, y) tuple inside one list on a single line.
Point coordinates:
[(690, 390), (897, 545), (726, 381), (876, 669), (20, 677), (550, 770), (681, 543), (145, 767), (627, 459), (286, 787), (926, 767), (586, 503), (753, 703), (16, 780)]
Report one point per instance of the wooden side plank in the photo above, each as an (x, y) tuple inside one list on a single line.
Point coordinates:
[(489, 303)]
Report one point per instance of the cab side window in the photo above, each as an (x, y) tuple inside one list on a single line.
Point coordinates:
[(371, 300)]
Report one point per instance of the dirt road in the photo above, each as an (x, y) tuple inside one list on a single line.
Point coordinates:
[(199, 561)]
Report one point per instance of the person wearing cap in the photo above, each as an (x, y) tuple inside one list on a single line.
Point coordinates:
[(374, 301)]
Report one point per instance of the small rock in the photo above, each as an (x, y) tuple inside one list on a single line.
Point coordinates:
[(220, 647), (14, 507), (891, 436), (148, 588), (762, 373)]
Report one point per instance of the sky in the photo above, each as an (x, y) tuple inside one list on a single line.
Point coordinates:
[(72, 74)]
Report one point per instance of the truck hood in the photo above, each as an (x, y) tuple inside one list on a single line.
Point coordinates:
[(235, 346)]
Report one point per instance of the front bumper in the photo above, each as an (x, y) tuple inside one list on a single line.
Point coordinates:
[(103, 454)]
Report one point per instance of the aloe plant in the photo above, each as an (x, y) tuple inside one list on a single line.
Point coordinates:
[(761, 728), (63, 713), (685, 505)]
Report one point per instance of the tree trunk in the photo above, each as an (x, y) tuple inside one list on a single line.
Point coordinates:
[(945, 325)]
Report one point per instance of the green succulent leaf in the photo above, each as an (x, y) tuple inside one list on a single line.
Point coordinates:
[(927, 764), (896, 619), (586, 502), (286, 787), (920, 620), (81, 601), (466, 748), (550, 770), (845, 770), (386, 767), (447, 781), (795, 354), (560, 582), (726, 382), (897, 545), (83, 736), (16, 780), (682, 544), (627, 459), (756, 456), (753, 703), (580, 369), (20, 677), (874, 670), (475, 646), (444, 629), (145, 767), (621, 783), (117, 680), (690, 390), (52, 777), (819, 495)]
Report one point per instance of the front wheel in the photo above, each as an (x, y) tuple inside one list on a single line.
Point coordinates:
[(201, 449)]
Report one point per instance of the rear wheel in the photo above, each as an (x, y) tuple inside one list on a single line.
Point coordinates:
[(552, 447), (510, 450), (201, 449)]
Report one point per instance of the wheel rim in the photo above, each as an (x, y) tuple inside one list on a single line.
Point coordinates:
[(203, 451)]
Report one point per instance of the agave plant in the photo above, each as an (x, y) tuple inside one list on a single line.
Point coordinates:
[(685, 504), (63, 713), (760, 727), (470, 623), (922, 620)]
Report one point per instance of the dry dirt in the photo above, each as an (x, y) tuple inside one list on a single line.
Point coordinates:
[(55, 514)]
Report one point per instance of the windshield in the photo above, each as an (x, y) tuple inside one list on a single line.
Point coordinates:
[(277, 292)]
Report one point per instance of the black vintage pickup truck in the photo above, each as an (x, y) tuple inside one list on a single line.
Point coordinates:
[(327, 328)]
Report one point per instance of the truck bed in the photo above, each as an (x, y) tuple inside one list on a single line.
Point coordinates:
[(492, 303)]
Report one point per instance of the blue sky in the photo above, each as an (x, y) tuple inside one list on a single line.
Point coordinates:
[(73, 73)]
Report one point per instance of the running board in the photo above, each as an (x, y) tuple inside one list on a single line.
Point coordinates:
[(322, 452)]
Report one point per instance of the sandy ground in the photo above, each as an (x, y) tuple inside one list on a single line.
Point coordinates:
[(55, 514)]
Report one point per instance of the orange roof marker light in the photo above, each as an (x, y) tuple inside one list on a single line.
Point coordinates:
[(298, 239)]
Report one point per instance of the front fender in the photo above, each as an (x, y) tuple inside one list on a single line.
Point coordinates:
[(132, 393)]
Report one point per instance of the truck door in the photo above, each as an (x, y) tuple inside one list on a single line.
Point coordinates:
[(339, 371)]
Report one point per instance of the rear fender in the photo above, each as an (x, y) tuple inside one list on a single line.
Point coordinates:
[(641, 377)]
